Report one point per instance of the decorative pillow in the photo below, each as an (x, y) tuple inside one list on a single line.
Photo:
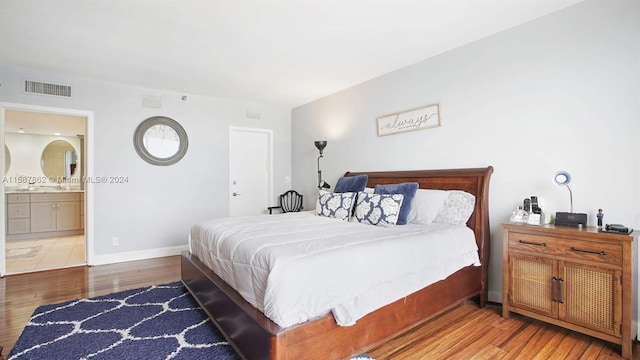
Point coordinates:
[(426, 206), (351, 183), (335, 205), (406, 189), (378, 209), (458, 207)]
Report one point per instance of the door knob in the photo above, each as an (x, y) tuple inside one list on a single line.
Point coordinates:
[(235, 194)]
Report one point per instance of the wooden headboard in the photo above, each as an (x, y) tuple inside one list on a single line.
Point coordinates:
[(474, 181)]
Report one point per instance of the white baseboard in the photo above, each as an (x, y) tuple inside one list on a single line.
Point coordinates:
[(136, 255), (494, 296)]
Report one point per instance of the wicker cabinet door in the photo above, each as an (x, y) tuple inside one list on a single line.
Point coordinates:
[(592, 297), (532, 284)]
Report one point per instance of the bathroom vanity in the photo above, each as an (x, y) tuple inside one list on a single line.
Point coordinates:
[(44, 213)]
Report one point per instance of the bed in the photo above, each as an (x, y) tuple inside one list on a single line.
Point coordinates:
[(255, 336)]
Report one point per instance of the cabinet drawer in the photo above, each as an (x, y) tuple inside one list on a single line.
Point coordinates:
[(18, 211), (570, 249), (18, 198), (55, 197), (18, 226)]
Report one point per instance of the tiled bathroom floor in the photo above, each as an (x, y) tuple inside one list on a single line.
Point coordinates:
[(44, 254)]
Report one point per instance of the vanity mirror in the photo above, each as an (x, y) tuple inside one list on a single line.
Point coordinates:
[(160, 140), (59, 160), (7, 159)]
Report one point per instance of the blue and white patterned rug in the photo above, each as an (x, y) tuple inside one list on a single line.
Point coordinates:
[(157, 322)]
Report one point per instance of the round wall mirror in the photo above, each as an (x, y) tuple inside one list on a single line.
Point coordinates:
[(59, 160), (160, 140), (7, 159)]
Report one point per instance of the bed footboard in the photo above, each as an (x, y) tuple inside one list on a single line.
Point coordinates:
[(245, 327), (254, 336)]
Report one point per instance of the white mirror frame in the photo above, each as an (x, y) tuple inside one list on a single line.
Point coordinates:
[(138, 141)]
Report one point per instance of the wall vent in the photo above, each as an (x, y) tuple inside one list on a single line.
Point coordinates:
[(34, 87)]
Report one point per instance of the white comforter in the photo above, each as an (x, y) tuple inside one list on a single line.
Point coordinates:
[(298, 266)]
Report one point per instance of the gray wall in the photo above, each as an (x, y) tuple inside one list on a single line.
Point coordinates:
[(558, 93), (158, 205)]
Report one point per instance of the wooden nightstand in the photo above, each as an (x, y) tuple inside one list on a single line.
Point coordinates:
[(579, 279)]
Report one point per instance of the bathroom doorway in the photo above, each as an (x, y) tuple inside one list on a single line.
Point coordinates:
[(45, 196)]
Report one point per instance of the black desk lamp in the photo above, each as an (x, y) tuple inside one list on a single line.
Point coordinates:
[(563, 178), (321, 183)]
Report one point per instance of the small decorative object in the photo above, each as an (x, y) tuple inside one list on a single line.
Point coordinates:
[(321, 183), (534, 219), (410, 120), (519, 216), (600, 216), (535, 207)]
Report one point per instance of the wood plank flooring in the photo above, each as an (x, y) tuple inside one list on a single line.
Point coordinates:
[(21, 294), (465, 332)]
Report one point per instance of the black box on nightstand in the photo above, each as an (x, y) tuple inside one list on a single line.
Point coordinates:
[(571, 219)]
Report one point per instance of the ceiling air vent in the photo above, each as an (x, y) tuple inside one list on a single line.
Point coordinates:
[(34, 87)]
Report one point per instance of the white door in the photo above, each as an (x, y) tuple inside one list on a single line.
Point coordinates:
[(250, 171)]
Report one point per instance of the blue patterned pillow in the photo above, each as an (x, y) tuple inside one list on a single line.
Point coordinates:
[(406, 189), (351, 183), (378, 209), (335, 205)]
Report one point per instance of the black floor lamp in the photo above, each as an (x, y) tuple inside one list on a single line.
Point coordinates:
[(321, 183)]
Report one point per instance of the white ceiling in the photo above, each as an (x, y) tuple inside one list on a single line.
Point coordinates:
[(278, 52)]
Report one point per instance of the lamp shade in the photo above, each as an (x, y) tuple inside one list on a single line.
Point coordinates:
[(321, 144), (562, 178)]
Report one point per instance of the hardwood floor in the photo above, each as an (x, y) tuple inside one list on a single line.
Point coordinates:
[(465, 332), (21, 294)]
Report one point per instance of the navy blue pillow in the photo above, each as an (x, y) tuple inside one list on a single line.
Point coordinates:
[(351, 183), (408, 190)]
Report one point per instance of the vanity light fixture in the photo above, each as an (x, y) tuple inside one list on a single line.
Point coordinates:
[(21, 130), (321, 183)]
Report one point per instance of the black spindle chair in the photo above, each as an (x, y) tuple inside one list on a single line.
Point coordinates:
[(290, 201)]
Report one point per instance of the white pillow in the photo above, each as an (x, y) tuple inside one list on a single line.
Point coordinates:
[(426, 206), (458, 207)]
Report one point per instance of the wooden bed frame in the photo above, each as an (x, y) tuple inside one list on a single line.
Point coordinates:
[(254, 336)]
